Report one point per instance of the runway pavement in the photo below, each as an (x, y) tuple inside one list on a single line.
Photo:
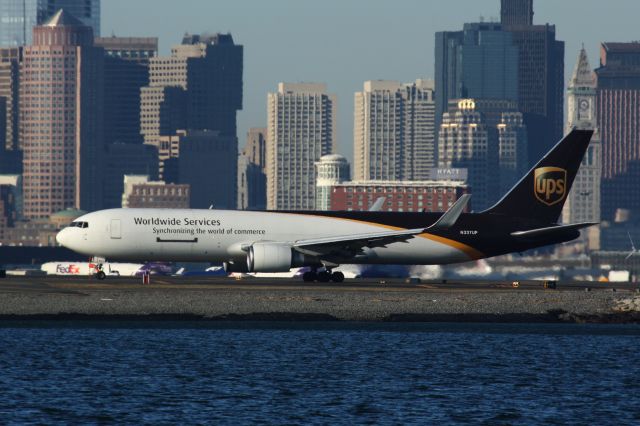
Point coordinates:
[(222, 298), (64, 284)]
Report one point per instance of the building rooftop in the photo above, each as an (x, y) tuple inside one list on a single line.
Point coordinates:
[(582, 73), (306, 88), (113, 42), (216, 39), (631, 47), (333, 157), (62, 18)]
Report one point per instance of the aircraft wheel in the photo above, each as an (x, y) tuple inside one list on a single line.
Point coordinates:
[(324, 277), (309, 277), (337, 277), (101, 275)]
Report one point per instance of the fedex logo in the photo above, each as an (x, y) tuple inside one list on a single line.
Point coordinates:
[(69, 269)]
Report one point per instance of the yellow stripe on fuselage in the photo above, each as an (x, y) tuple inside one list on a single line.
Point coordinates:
[(466, 249)]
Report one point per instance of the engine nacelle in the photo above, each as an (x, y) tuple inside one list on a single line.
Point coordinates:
[(270, 257)]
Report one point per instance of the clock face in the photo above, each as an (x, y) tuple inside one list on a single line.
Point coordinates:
[(584, 105)]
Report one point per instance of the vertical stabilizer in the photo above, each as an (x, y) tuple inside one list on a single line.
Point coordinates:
[(541, 193)]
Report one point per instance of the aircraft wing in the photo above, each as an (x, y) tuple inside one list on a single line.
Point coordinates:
[(352, 245)]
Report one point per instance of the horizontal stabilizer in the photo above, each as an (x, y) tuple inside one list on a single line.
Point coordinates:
[(551, 230)]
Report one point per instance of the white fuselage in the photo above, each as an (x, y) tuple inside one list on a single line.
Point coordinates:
[(223, 235)]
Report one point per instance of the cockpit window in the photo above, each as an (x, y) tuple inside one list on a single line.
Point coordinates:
[(79, 224)]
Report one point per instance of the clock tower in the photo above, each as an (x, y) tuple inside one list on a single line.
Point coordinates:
[(583, 203)]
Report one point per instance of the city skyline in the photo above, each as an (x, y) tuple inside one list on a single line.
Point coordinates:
[(369, 53), (502, 84)]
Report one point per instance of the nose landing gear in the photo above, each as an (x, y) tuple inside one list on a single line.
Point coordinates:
[(97, 264), (323, 276)]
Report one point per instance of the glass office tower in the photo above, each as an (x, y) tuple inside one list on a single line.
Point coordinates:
[(18, 17)]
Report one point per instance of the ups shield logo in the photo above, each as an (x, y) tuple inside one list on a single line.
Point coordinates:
[(550, 184)]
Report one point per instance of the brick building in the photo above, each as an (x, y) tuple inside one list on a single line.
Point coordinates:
[(401, 196), (61, 88), (139, 192)]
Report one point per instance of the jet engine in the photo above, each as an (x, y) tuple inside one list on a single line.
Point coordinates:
[(271, 257)]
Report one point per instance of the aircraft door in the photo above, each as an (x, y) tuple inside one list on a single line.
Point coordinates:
[(116, 229)]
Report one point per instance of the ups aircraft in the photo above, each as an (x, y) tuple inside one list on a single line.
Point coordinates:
[(276, 241)]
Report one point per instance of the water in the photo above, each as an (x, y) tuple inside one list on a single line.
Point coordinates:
[(331, 373)]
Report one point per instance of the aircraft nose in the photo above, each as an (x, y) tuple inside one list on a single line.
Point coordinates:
[(62, 237)]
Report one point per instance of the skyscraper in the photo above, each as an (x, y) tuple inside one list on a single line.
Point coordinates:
[(618, 112), (87, 11), (301, 129), (8, 209), (208, 162), (163, 111), (252, 178), (208, 70), (394, 131), (583, 202), (3, 123), (10, 60), (198, 89), (61, 115), (481, 61), (123, 159), (482, 136), (252, 185), (163, 103), (20, 16), (540, 75), (256, 147), (214, 82), (512, 150), (168, 154), (516, 12), (126, 71)]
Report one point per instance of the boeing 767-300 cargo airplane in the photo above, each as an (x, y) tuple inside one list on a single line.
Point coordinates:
[(275, 241)]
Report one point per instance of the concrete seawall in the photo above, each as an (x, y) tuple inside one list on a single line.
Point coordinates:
[(359, 300)]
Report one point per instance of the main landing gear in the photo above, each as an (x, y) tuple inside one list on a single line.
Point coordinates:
[(323, 276)]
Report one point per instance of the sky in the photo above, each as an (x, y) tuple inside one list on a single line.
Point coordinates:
[(343, 43)]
